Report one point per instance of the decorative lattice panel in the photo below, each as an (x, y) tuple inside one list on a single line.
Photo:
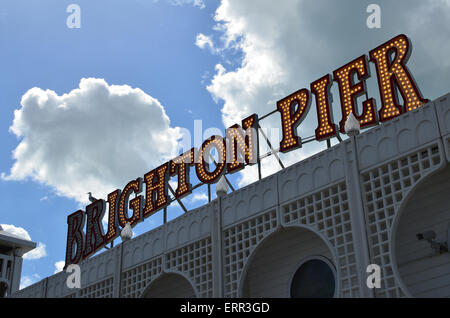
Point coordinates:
[(194, 260), (239, 241), (384, 189), (103, 289), (135, 280), (328, 212)]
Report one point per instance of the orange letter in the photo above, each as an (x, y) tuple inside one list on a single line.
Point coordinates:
[(321, 89), (135, 204), (201, 165), (182, 164), (112, 221), (290, 119), (349, 91), (243, 143), (156, 189), (393, 70)]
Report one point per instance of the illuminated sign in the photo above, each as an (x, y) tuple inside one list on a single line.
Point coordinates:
[(85, 234)]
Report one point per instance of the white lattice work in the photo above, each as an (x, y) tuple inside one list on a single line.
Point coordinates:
[(239, 241), (327, 211), (384, 188), (136, 279), (380, 167), (195, 261), (103, 289)]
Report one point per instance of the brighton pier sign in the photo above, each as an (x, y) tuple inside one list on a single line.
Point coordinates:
[(85, 234)]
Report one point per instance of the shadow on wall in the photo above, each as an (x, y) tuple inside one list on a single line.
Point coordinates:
[(286, 272), (3, 289), (169, 285), (423, 271)]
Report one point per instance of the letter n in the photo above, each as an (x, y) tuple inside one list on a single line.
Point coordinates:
[(242, 144)]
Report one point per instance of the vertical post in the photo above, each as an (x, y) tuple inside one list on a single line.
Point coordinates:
[(357, 214), (45, 287), (165, 265), (16, 270), (209, 192), (118, 255), (257, 153), (217, 243), (165, 215)]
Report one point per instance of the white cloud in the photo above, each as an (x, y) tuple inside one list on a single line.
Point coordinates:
[(199, 3), (196, 3), (94, 138), (199, 197), (59, 266), (16, 230), (203, 41), (36, 253), (26, 281), (173, 184), (286, 45)]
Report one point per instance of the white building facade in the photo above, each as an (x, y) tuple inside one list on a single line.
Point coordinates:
[(311, 229), (12, 249)]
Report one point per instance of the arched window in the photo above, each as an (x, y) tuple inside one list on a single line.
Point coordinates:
[(314, 278)]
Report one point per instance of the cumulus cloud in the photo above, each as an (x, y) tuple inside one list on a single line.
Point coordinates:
[(36, 253), (203, 41), (199, 197), (94, 138), (196, 3), (287, 45), (26, 281), (59, 266), (16, 230)]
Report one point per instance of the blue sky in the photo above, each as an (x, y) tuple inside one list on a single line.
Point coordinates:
[(215, 61), (155, 52)]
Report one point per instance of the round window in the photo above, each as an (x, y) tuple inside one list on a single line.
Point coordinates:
[(314, 279)]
